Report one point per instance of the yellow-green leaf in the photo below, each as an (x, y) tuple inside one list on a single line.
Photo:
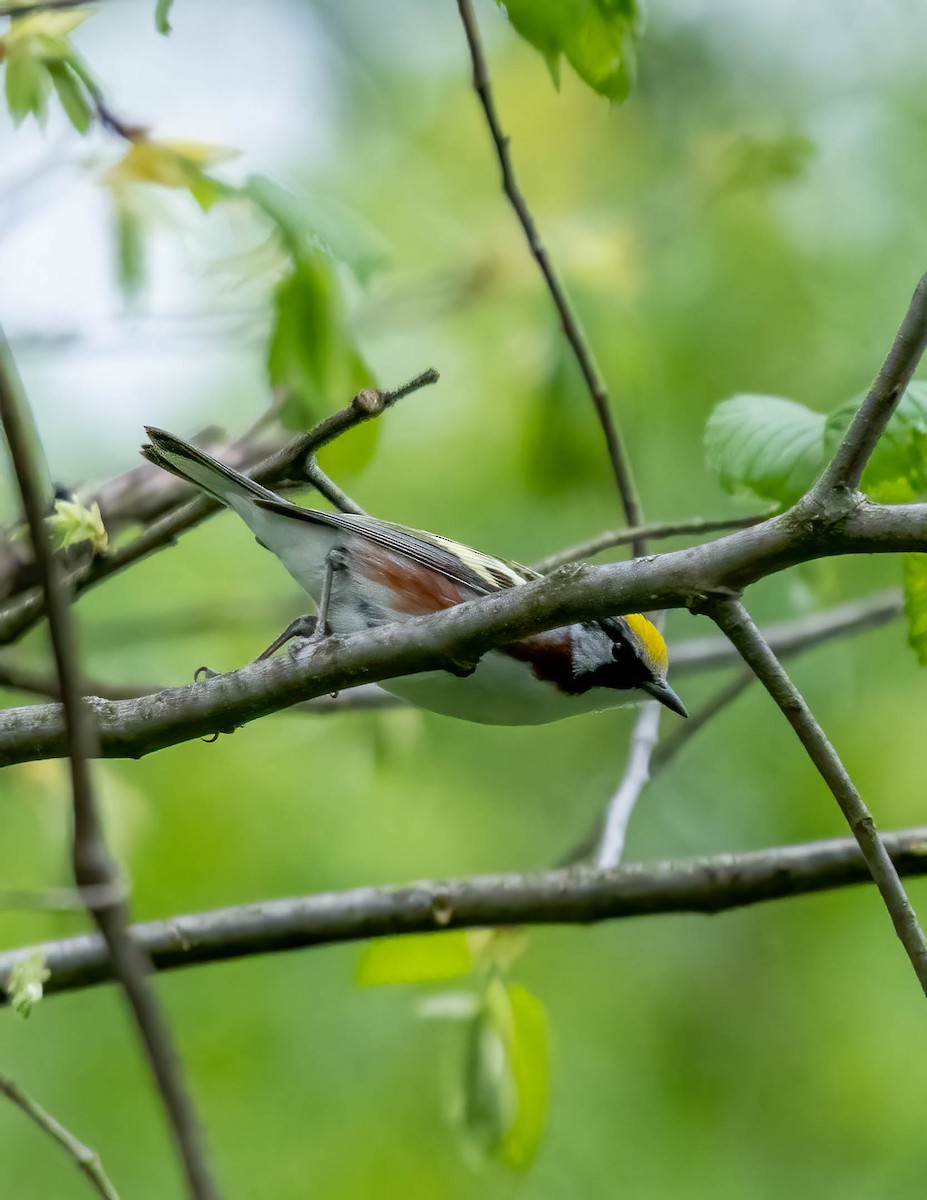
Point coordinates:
[(176, 164), (27, 84), (45, 24), (418, 958), (915, 603), (25, 983), (521, 1021), (162, 16), (72, 523)]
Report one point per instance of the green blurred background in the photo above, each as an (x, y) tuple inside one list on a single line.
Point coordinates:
[(752, 219)]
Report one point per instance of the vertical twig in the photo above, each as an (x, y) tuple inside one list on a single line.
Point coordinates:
[(85, 1159), (636, 777), (569, 320), (93, 867), (733, 619)]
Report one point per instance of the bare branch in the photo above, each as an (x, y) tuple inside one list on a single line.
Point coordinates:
[(577, 896), (86, 1160), (635, 779), (569, 319), (131, 728), (733, 619), (846, 468), (642, 533), (93, 867)]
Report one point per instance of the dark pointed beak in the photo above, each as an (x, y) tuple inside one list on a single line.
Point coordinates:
[(664, 693)]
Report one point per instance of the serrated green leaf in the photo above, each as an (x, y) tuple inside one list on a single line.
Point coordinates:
[(27, 85), (321, 223), (765, 444), (597, 37), (418, 958), (914, 570), (897, 470), (72, 95), (162, 16), (24, 985)]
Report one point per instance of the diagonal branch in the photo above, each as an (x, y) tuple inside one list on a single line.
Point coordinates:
[(93, 867), (846, 468), (577, 896), (734, 620), (569, 319), (85, 1159)]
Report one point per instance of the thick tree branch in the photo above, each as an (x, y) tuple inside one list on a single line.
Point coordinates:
[(733, 619), (577, 896), (569, 319), (131, 728), (93, 867), (86, 1160), (846, 468)]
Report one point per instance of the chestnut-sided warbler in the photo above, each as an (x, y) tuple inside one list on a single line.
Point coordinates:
[(361, 572)]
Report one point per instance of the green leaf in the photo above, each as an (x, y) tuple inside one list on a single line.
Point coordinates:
[(311, 358), (897, 470), (597, 37), (130, 244), (26, 84), (914, 569), (320, 223), (72, 95), (418, 958), (765, 444), (24, 985), (162, 16), (507, 1075)]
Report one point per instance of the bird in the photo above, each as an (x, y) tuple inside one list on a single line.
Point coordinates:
[(362, 572)]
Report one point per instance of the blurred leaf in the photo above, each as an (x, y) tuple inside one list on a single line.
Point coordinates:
[(130, 243), (26, 85), (507, 1073), (46, 24), (597, 37), (560, 441), (311, 359), (418, 958), (72, 95), (765, 444), (750, 161), (320, 223), (897, 470), (162, 16), (176, 164), (914, 568), (25, 983), (72, 523)]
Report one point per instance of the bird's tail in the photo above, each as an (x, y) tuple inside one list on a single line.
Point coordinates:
[(180, 458)]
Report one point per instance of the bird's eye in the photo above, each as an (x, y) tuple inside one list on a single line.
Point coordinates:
[(619, 649)]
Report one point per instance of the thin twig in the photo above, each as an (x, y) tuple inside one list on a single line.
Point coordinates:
[(621, 537), (327, 487), (636, 776), (569, 319), (93, 867), (18, 618), (580, 895), (734, 620), (86, 1160), (790, 637), (845, 470)]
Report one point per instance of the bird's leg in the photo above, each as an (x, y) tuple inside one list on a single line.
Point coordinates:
[(334, 561), (302, 627)]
